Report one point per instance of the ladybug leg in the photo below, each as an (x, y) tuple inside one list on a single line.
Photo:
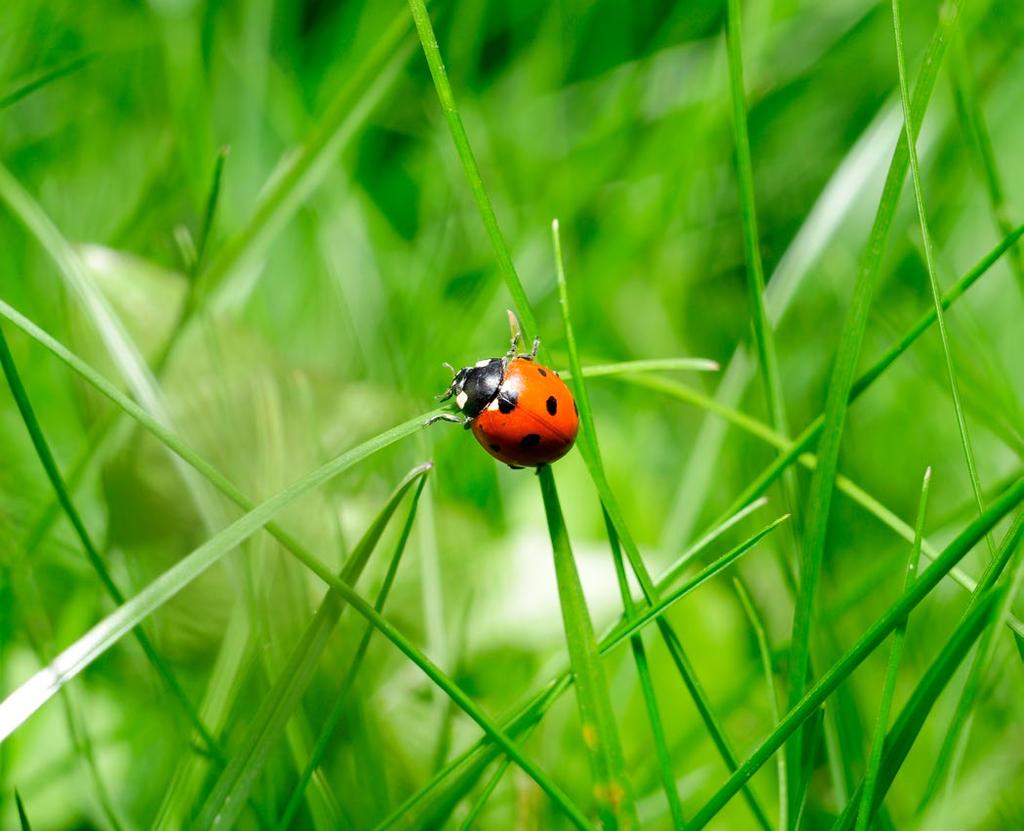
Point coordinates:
[(513, 348), (455, 419), (532, 354)]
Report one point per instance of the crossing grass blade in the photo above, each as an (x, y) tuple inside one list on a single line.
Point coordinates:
[(850, 340), (587, 442), (960, 724), (843, 484), (92, 554), (33, 693), (469, 765), (599, 733), (892, 670), (802, 442), (236, 781), (865, 645), (908, 724), (636, 644), (23, 89), (341, 699), (765, 653), (929, 254)]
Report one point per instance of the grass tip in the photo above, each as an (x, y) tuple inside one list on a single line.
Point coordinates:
[(554, 224), (928, 474)]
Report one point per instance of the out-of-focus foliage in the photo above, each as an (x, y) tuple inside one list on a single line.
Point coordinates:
[(614, 117)]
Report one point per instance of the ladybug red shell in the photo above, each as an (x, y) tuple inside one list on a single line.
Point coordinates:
[(521, 413)]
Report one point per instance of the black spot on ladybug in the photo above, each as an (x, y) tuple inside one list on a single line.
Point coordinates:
[(552, 405), (505, 406), (529, 440), (495, 447), (542, 372)]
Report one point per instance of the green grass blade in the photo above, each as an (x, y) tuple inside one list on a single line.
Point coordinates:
[(959, 726), (431, 51), (764, 340), (763, 649), (865, 645), (341, 698), (26, 88), (587, 442), (929, 253), (910, 720), (668, 779), (632, 625), (300, 172), (482, 753), (22, 815), (92, 554), (651, 365), (892, 670), (972, 120), (232, 788), (850, 340), (32, 694), (485, 794), (864, 382), (600, 735)]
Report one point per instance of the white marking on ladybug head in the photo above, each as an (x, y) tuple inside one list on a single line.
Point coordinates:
[(461, 399), (493, 405), (484, 362)]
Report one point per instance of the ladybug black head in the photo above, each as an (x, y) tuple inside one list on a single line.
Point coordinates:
[(474, 387)]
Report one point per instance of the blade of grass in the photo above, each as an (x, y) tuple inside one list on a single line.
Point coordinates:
[(959, 726), (22, 815), (865, 645), (668, 779), (764, 340), (92, 554), (432, 53), (761, 635), (850, 340), (908, 724), (933, 279), (23, 89), (843, 484), (864, 382), (892, 670), (233, 786), (340, 699), (528, 715), (974, 125), (611, 788), (592, 457), (32, 694), (652, 365)]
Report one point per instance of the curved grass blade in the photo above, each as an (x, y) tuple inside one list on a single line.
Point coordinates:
[(892, 670), (32, 694), (341, 698), (843, 484), (636, 644), (600, 734), (469, 765), (592, 457), (92, 554), (908, 725), (763, 649), (865, 645), (650, 365), (959, 726), (850, 340), (431, 51), (929, 255), (864, 382), (232, 788)]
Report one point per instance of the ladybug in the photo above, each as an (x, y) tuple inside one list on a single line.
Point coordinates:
[(521, 413)]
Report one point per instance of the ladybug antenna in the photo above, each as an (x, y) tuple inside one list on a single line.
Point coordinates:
[(449, 367)]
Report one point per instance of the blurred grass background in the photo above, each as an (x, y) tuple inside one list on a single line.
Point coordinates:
[(326, 322)]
